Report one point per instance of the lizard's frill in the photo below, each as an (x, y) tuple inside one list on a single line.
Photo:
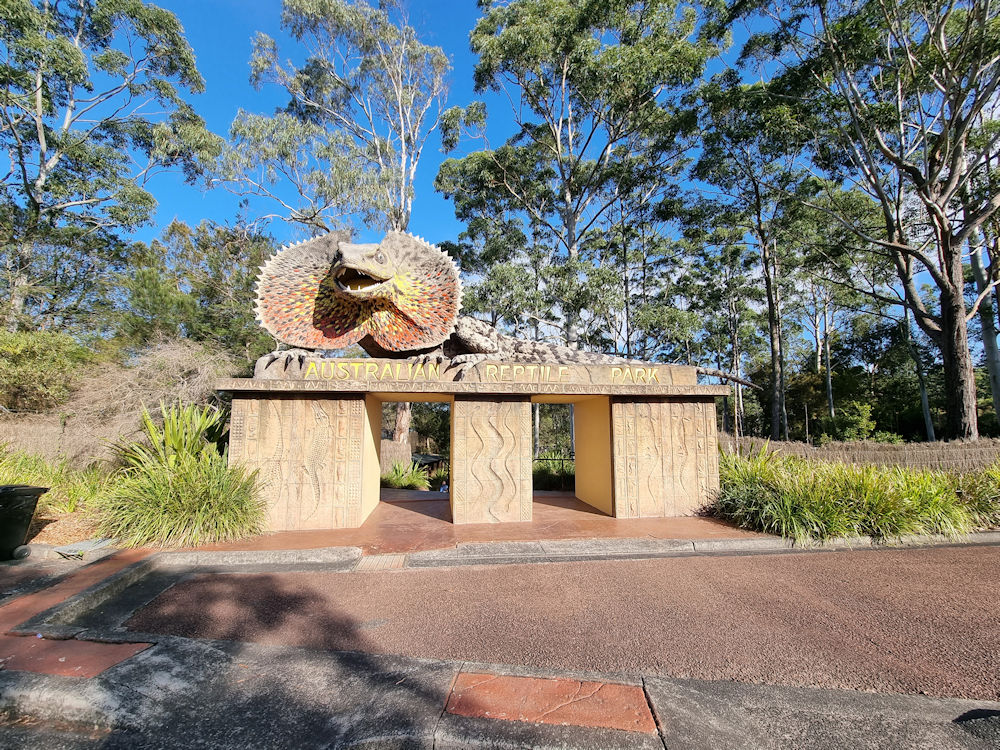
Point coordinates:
[(297, 304), (295, 299)]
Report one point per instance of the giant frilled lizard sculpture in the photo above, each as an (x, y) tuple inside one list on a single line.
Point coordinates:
[(398, 298)]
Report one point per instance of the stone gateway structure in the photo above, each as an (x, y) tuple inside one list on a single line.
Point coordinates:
[(646, 443)]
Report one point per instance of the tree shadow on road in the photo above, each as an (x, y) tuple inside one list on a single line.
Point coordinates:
[(330, 693)]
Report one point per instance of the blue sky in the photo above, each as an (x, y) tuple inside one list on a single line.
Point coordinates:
[(220, 32)]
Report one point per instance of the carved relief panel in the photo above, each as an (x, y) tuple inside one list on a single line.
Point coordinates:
[(309, 455), (666, 460)]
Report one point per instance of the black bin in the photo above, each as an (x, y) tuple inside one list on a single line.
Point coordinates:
[(17, 506)]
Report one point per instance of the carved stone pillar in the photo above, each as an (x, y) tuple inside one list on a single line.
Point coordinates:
[(666, 456), (490, 460), (317, 457)]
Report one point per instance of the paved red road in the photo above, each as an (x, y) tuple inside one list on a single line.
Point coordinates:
[(903, 621)]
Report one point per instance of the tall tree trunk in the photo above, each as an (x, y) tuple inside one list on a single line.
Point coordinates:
[(775, 341), (734, 344), (783, 389), (19, 281), (986, 321), (536, 410), (961, 420), (827, 320), (925, 407), (404, 414)]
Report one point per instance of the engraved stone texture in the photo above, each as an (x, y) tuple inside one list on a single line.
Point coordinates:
[(666, 460), (308, 453), (491, 461)]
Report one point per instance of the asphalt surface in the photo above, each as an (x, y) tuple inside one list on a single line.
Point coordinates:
[(891, 621)]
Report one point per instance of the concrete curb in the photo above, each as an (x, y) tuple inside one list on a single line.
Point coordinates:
[(512, 553), (335, 557), (48, 552), (66, 699), (54, 623)]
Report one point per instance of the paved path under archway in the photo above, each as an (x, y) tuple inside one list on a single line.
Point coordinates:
[(410, 521)]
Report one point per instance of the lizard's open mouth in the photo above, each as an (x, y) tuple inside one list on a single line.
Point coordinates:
[(352, 280)]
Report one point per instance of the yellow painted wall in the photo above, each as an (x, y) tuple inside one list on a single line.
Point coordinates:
[(371, 439), (592, 430)]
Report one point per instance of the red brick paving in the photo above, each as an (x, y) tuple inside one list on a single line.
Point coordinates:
[(64, 658), (24, 607), (70, 658), (551, 701), (410, 521)]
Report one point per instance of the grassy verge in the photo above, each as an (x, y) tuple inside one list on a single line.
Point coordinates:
[(807, 501), (70, 489)]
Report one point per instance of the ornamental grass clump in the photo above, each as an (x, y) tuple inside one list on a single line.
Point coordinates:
[(176, 488), (410, 476), (70, 489), (980, 492), (803, 500)]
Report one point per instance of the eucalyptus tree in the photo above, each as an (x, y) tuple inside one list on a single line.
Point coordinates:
[(722, 284), (900, 100), (749, 159), (196, 283), (591, 86), (91, 109), (361, 105)]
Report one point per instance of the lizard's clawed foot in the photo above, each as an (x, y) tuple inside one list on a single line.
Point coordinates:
[(431, 358), (286, 356), (465, 362)]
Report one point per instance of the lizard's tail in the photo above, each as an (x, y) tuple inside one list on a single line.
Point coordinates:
[(726, 376)]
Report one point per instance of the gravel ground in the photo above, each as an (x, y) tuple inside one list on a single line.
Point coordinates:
[(903, 621)]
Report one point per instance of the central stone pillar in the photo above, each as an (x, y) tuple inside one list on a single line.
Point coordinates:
[(490, 460)]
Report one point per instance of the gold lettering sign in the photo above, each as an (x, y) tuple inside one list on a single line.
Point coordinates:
[(634, 375), (369, 371)]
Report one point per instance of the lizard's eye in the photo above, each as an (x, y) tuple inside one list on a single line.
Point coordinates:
[(379, 257)]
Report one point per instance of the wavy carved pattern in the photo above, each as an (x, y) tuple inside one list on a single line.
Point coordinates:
[(491, 461), (308, 453)]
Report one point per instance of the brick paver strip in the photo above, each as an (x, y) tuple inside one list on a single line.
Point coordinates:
[(70, 658), (551, 701)]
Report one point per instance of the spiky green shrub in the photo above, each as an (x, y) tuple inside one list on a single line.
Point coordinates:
[(796, 498), (439, 476), (980, 492), (176, 488), (70, 489), (186, 430), (550, 470), (407, 477)]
